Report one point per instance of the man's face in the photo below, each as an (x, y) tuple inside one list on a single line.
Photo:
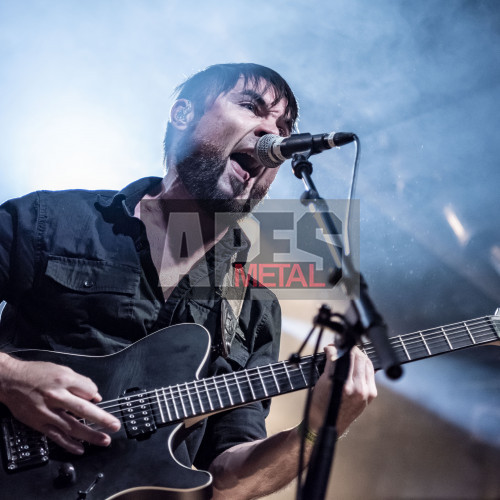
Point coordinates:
[(216, 160)]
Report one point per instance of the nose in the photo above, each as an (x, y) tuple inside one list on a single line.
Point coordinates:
[(268, 125)]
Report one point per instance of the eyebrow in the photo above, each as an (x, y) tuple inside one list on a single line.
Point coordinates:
[(261, 102), (255, 96)]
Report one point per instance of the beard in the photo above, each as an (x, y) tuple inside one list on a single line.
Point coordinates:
[(200, 169)]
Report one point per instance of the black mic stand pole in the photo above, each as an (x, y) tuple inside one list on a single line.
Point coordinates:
[(369, 322)]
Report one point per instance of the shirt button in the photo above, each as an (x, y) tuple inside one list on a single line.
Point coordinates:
[(88, 283)]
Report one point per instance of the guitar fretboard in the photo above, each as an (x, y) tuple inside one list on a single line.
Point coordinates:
[(200, 397), (440, 340), (182, 401)]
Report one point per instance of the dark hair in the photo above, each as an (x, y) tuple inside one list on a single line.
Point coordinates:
[(203, 88)]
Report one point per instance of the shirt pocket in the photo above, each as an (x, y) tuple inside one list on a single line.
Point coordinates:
[(92, 276), (82, 297)]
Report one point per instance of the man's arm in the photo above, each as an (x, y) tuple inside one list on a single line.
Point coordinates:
[(252, 470), (47, 397), (51, 399)]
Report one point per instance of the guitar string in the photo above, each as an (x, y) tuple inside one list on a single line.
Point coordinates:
[(451, 329), (220, 383), (183, 389), (254, 372), (414, 352), (436, 335), (215, 385), (435, 338), (459, 324)]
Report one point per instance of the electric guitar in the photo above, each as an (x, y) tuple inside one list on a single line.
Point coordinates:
[(155, 384)]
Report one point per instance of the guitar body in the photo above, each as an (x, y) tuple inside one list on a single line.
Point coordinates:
[(131, 469)]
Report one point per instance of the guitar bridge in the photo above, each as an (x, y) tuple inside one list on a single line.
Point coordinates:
[(137, 414), (23, 447)]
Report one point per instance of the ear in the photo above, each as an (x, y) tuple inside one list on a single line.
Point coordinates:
[(181, 114)]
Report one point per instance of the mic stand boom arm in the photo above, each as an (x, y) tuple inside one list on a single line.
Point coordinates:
[(368, 322)]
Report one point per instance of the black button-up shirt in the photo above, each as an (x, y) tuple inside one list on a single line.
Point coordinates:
[(77, 275)]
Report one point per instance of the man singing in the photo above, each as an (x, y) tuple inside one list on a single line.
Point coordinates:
[(91, 272)]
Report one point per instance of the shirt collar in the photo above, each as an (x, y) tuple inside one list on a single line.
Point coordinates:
[(130, 195)]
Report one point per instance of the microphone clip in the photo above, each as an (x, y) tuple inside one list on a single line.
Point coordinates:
[(301, 165)]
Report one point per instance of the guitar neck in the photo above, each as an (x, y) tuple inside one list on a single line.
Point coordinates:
[(183, 401), (440, 340)]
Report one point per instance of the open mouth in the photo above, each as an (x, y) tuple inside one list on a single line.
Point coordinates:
[(246, 162)]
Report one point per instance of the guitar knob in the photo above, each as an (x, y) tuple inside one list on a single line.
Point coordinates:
[(66, 475)]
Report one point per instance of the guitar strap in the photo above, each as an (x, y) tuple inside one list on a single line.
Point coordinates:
[(231, 306), (233, 296)]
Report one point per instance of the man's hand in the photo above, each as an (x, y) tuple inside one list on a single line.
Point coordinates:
[(258, 468), (359, 390), (52, 399)]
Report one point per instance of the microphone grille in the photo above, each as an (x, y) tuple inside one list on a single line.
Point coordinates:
[(263, 150)]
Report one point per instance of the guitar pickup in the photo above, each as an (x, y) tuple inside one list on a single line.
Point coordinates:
[(137, 413), (23, 447)]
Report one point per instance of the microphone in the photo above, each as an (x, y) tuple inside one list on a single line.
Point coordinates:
[(272, 150)]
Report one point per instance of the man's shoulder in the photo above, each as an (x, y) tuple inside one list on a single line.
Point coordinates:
[(84, 195), (58, 197), (80, 195)]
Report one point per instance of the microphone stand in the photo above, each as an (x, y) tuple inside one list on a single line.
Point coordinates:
[(367, 322)]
